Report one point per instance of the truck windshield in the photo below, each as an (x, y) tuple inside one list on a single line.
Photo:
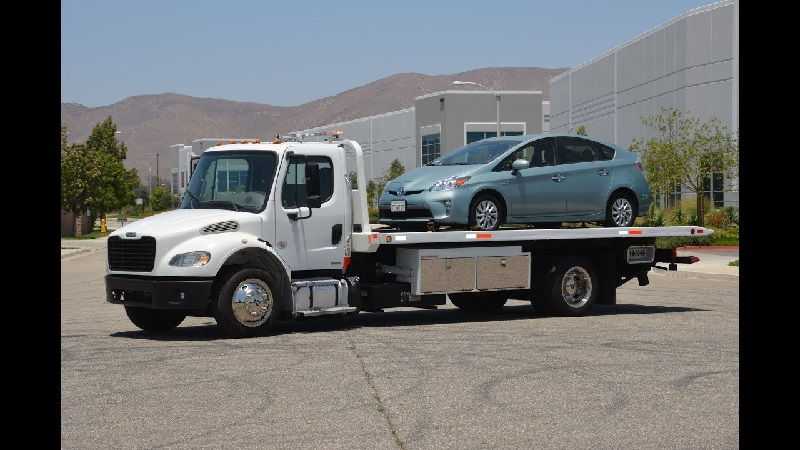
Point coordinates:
[(480, 152), (231, 180)]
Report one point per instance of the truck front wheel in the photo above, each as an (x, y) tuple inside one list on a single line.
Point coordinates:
[(154, 319), (247, 303), (480, 302), (571, 289)]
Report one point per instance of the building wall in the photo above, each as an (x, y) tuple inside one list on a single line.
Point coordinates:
[(458, 112), (383, 138), (689, 64)]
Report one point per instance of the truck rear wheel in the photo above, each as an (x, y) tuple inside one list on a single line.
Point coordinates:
[(571, 288), (247, 303), (479, 302), (154, 319)]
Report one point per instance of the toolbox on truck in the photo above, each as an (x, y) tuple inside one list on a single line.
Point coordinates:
[(467, 269)]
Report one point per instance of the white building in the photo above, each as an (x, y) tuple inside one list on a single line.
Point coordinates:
[(689, 63)]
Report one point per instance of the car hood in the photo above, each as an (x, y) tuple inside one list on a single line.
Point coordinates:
[(423, 178)]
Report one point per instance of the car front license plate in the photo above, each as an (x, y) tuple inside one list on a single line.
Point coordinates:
[(398, 206), (641, 254)]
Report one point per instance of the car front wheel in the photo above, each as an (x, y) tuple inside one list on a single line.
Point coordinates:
[(486, 212)]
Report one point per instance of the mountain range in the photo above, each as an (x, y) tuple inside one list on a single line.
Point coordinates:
[(149, 124)]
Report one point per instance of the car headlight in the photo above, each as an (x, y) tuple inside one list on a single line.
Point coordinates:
[(449, 183), (191, 259)]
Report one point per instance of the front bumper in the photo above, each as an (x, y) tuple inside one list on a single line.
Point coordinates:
[(446, 207), (188, 293)]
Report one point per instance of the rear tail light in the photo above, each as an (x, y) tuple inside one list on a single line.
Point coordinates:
[(638, 166)]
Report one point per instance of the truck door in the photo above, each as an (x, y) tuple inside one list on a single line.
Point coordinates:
[(312, 238)]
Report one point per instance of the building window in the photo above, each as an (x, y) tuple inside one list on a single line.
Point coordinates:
[(473, 136), (714, 190), (430, 148), (671, 199)]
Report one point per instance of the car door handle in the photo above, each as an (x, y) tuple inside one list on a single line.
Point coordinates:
[(558, 178), (603, 172)]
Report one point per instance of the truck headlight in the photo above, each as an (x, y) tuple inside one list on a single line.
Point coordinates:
[(449, 183), (191, 259)]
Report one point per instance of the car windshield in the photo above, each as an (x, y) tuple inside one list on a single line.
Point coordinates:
[(480, 152), (231, 180)]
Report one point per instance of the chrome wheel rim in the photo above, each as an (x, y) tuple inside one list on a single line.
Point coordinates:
[(621, 212), (576, 287), (252, 302), (486, 215)]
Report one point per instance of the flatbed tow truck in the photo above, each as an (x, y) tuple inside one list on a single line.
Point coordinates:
[(307, 249)]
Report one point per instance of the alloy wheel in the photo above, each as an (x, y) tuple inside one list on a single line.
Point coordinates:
[(621, 212), (486, 215)]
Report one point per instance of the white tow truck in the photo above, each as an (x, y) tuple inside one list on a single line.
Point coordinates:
[(276, 231)]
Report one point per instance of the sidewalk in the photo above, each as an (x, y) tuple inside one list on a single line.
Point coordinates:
[(713, 260), (74, 247)]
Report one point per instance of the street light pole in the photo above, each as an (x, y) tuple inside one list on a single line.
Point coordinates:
[(496, 96)]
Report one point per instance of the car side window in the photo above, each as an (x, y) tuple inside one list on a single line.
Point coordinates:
[(544, 153), (574, 150), (523, 153), (606, 153)]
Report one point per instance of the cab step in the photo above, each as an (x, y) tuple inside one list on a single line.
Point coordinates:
[(327, 311)]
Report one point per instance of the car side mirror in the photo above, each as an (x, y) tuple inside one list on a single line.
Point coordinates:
[(519, 164)]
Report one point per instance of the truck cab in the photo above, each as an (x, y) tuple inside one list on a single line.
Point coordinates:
[(281, 207)]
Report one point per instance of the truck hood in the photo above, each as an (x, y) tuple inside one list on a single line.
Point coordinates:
[(423, 178), (183, 221)]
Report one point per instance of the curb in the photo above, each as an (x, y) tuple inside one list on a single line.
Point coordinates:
[(78, 252), (709, 247), (692, 275)]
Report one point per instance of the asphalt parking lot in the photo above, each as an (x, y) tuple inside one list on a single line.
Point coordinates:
[(660, 369)]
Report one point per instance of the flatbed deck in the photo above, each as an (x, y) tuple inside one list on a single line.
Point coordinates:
[(368, 242)]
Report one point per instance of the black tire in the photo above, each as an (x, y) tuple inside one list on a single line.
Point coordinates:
[(154, 319), (634, 209), (498, 206), (548, 225), (483, 302), (224, 313), (557, 296)]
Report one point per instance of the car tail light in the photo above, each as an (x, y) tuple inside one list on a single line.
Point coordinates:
[(638, 166)]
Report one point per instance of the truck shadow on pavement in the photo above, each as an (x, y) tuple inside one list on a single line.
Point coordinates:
[(398, 319)]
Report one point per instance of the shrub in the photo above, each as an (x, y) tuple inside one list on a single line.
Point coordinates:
[(676, 217), (733, 214), (717, 218)]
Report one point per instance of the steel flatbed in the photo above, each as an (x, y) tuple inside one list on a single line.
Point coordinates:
[(364, 242)]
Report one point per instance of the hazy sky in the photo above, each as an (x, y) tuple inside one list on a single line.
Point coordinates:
[(291, 52)]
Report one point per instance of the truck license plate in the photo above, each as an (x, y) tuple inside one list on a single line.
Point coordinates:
[(641, 254), (398, 206)]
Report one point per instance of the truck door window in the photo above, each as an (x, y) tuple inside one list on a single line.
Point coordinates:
[(308, 182), (294, 184)]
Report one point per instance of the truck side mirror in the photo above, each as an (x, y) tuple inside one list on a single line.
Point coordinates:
[(518, 165)]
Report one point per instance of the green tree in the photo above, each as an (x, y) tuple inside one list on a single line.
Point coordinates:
[(64, 142), (104, 139), (161, 199), (93, 176), (581, 131), (375, 187), (79, 176), (686, 151)]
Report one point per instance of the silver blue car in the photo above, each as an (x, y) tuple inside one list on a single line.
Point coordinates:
[(543, 179)]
